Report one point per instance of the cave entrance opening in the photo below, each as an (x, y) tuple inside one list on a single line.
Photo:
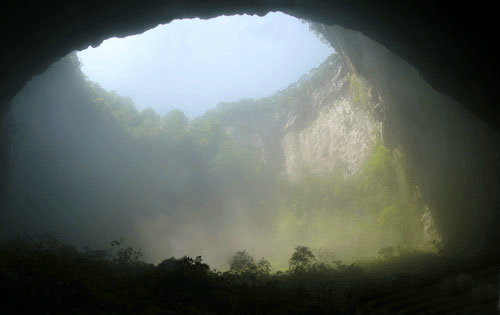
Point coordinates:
[(195, 64), (263, 171)]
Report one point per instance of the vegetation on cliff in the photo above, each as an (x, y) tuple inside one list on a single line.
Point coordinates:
[(182, 172), (91, 168)]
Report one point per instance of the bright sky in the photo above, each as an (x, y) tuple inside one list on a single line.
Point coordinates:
[(195, 64)]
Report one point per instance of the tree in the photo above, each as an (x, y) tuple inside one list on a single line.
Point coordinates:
[(387, 252), (123, 256), (174, 122), (301, 259), (319, 30), (263, 266), (242, 262)]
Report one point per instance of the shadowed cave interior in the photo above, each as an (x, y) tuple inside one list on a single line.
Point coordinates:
[(365, 132)]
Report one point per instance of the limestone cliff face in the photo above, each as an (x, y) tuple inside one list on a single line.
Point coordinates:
[(325, 122), (454, 156), (339, 138)]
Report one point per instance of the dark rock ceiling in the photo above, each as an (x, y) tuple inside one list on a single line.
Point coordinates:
[(451, 44)]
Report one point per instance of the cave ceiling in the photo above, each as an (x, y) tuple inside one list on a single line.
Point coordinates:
[(451, 44)]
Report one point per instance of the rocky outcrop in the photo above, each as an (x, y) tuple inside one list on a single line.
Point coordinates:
[(339, 137), (455, 157), (331, 126)]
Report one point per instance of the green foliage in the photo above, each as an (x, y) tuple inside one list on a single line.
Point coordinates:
[(190, 166), (45, 276), (387, 252), (263, 266), (252, 115), (174, 122), (168, 164), (376, 182), (123, 255), (389, 195), (377, 207), (319, 30), (359, 92), (242, 262), (191, 267), (389, 217), (302, 259)]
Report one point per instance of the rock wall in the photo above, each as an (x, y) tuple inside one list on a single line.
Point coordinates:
[(455, 156), (339, 137), (329, 128)]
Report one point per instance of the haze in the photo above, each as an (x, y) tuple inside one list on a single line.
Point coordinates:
[(194, 64), (304, 166)]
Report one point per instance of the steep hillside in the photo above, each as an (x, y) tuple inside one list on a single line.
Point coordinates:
[(345, 189), (324, 122), (455, 157), (305, 166)]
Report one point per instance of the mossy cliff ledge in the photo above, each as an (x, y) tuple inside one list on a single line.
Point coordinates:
[(324, 122), (454, 156), (369, 94)]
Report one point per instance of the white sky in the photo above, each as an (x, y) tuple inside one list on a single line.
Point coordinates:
[(194, 64)]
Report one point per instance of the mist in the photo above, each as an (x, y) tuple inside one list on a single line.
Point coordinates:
[(242, 163), (90, 165)]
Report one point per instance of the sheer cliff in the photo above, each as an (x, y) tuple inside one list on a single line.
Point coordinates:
[(327, 121), (455, 157), (87, 155)]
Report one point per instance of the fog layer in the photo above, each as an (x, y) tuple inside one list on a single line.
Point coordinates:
[(89, 168)]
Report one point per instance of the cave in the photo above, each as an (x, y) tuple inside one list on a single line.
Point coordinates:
[(379, 42)]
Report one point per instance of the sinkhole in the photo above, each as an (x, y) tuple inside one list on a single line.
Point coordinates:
[(248, 163), (236, 134)]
